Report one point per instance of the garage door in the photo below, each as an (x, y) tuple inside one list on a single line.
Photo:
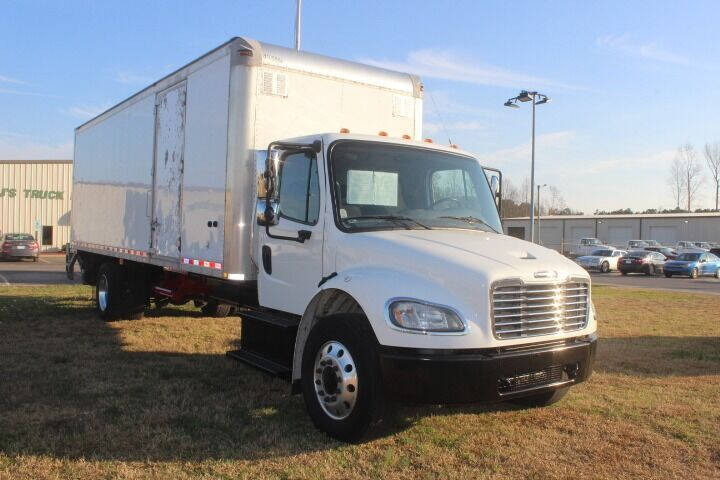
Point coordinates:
[(550, 237), (619, 236), (664, 235)]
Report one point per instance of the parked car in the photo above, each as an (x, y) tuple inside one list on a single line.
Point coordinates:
[(636, 244), (18, 246), (642, 261), (703, 245), (603, 260), (669, 253), (694, 264), (587, 246), (652, 243), (684, 245), (715, 251)]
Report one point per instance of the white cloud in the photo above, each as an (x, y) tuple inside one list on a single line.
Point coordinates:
[(21, 149), (132, 78), (85, 112), (651, 51), (6, 79), (8, 91), (448, 65), (430, 128), (546, 144)]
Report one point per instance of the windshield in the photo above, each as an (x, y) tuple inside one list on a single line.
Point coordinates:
[(689, 257), (602, 253), (384, 187)]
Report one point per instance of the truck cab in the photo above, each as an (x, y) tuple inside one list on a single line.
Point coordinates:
[(437, 305)]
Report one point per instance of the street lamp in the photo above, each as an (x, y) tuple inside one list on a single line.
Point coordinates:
[(538, 210), (537, 99)]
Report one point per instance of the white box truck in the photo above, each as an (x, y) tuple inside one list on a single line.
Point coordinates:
[(368, 267)]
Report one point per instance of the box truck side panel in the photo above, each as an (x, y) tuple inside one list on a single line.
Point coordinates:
[(113, 178), (168, 171), (203, 195), (293, 104)]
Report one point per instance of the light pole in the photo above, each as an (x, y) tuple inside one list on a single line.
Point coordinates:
[(537, 99), (538, 210)]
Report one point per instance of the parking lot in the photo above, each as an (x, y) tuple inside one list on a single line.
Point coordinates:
[(48, 270)]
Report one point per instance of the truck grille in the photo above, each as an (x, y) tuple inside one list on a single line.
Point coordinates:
[(520, 310)]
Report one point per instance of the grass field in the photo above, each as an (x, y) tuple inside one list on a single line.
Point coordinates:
[(80, 398)]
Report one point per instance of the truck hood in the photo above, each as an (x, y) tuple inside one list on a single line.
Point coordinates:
[(462, 255)]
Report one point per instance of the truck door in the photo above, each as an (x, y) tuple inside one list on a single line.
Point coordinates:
[(168, 171), (290, 258)]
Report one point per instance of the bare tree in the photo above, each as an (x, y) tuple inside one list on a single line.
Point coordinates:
[(692, 171), (557, 202), (525, 191), (675, 180), (712, 157)]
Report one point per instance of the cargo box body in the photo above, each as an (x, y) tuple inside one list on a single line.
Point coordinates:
[(169, 176)]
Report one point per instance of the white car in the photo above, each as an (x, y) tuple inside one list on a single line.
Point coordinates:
[(602, 260), (587, 246)]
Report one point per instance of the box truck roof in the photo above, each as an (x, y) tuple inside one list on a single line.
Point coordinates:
[(254, 53)]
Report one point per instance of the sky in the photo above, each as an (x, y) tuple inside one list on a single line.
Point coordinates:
[(629, 81)]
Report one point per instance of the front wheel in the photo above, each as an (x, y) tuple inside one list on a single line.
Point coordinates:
[(340, 377), (605, 268), (542, 399), (717, 273), (650, 270), (623, 273), (694, 273)]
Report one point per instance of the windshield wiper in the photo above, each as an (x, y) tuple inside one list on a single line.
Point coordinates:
[(398, 219), (471, 219)]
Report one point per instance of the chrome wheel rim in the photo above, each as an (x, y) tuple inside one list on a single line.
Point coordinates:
[(335, 379), (102, 288)]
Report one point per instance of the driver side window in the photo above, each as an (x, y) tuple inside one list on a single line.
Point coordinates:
[(299, 191), (452, 184)]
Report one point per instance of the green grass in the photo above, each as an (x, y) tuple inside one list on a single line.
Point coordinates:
[(157, 398)]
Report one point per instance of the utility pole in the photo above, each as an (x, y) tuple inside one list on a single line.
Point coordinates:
[(298, 22)]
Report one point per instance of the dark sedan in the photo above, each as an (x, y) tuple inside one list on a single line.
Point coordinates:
[(669, 253), (642, 261), (18, 246)]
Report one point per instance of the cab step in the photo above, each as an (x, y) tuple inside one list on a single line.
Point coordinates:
[(267, 341), (260, 362)]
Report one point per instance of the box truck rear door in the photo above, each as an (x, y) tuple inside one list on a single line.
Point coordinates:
[(168, 171)]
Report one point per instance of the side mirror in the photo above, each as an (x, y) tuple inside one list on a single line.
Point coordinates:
[(495, 185), (267, 214)]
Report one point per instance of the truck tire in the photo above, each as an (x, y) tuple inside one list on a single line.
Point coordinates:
[(341, 354), (216, 309), (541, 399), (109, 291)]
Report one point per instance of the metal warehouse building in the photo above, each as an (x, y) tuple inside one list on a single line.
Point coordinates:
[(562, 233), (35, 199)]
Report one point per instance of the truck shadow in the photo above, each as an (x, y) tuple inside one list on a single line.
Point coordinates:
[(72, 386)]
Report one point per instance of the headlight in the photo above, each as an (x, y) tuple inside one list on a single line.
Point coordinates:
[(424, 317)]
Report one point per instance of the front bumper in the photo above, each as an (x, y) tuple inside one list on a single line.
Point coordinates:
[(682, 270), (424, 376)]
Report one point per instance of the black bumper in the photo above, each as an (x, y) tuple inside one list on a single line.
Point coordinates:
[(424, 376)]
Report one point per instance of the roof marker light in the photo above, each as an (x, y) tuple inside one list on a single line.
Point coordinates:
[(382, 133), (454, 145), (406, 137), (344, 130), (428, 140)]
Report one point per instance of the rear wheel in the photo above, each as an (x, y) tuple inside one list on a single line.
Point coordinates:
[(668, 275), (340, 381), (694, 273), (542, 399), (650, 270), (108, 291), (623, 272)]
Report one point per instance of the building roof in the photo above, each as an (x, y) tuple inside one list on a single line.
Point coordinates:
[(623, 216)]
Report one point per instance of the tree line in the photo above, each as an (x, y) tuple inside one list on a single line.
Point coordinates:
[(516, 200)]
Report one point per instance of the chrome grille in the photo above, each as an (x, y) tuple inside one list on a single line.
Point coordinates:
[(529, 310)]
